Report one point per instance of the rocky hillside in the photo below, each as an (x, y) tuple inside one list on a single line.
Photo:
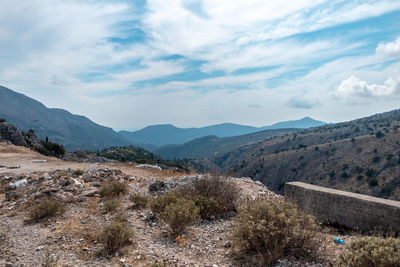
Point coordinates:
[(72, 131), (70, 237), (360, 156)]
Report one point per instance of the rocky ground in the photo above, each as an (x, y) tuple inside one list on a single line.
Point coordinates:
[(71, 239)]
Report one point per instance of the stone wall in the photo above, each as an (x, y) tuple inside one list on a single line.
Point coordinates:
[(347, 209)]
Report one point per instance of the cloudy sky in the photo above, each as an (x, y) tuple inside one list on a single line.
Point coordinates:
[(129, 64)]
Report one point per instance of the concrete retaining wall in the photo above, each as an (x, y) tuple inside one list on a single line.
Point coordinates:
[(347, 209)]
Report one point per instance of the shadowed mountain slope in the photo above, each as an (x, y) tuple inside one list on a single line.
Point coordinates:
[(73, 131)]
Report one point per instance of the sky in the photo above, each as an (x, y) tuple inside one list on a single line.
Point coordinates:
[(129, 64)]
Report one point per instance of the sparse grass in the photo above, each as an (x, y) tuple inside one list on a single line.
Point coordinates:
[(60, 174), (111, 205), (179, 215), (139, 201), (49, 260), (372, 251), (121, 218), (115, 236), (45, 209), (78, 172), (266, 231), (93, 205), (113, 189)]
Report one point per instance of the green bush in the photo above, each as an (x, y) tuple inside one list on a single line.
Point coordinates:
[(111, 205), (112, 189), (180, 214), (268, 231), (51, 149), (45, 209), (2, 120), (371, 252), (158, 204), (115, 236), (139, 201)]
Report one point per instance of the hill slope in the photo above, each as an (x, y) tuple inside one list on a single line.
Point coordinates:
[(360, 156), (73, 131), (210, 146), (166, 134)]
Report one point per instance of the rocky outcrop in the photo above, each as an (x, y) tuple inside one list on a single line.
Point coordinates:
[(11, 133)]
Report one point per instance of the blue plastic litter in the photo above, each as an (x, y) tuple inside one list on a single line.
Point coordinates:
[(339, 241)]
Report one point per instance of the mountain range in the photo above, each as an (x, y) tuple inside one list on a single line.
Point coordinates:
[(165, 134), (79, 132)]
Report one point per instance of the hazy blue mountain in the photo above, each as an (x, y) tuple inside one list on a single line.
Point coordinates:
[(73, 131), (166, 134)]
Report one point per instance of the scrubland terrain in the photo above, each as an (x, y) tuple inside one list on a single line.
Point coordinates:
[(361, 156), (60, 213)]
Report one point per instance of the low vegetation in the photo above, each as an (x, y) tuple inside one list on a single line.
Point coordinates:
[(51, 149), (78, 172), (139, 201), (45, 209), (372, 251), (268, 231), (111, 205), (115, 236), (112, 189), (138, 155), (203, 199), (180, 214)]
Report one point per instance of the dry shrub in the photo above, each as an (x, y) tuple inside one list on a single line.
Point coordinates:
[(45, 209), (93, 205), (158, 204), (268, 231), (112, 189), (214, 195), (372, 251), (111, 205), (139, 200), (180, 214), (115, 236), (120, 217)]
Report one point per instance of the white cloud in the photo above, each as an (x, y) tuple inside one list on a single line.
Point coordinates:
[(47, 44), (391, 49), (355, 86), (302, 102)]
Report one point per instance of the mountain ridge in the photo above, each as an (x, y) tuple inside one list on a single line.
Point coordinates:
[(168, 134)]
